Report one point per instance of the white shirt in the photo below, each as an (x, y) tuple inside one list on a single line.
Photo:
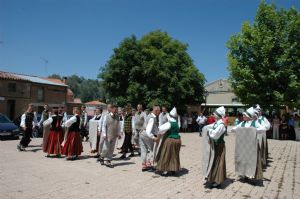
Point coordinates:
[(34, 122), (265, 122), (166, 126), (161, 118), (149, 126), (123, 124), (258, 126), (71, 121), (218, 131), (201, 119), (104, 126)]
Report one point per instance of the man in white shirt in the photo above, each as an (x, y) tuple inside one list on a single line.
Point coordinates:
[(101, 142), (148, 137), (93, 134), (28, 122), (111, 130), (201, 121), (139, 122)]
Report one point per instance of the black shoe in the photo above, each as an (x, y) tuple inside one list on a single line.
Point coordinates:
[(131, 155), (164, 174), (145, 169), (101, 160), (48, 156), (151, 169), (19, 147), (109, 164), (123, 156), (58, 156)]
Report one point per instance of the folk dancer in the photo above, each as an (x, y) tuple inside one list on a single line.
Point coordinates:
[(83, 123), (111, 130), (139, 122), (28, 122), (127, 127), (72, 146), (168, 161), (147, 139), (95, 136), (53, 145), (242, 163), (216, 131), (46, 131)]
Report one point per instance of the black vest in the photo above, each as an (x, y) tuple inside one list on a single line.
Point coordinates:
[(75, 126), (56, 119), (29, 119), (98, 117)]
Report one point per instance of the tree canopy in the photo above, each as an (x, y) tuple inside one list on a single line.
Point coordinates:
[(153, 70), (264, 58), (85, 89)]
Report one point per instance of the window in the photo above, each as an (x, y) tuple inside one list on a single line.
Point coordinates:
[(40, 95), (12, 87)]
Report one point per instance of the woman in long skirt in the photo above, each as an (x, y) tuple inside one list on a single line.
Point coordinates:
[(53, 145), (72, 147), (168, 160)]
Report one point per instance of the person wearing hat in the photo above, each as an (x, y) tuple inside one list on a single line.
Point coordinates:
[(250, 120), (216, 132), (168, 161), (53, 145), (262, 119)]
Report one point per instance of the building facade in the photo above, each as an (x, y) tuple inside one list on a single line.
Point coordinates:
[(17, 91)]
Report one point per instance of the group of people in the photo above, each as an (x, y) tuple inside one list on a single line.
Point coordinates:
[(155, 135), (251, 150), (282, 127)]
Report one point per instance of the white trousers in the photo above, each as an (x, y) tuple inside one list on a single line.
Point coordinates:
[(108, 148), (146, 145)]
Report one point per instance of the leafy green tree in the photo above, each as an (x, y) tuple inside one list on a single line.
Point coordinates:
[(153, 70), (264, 58), (85, 89)]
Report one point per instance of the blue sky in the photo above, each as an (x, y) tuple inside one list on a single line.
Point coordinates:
[(78, 36)]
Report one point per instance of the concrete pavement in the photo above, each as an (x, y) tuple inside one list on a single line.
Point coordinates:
[(31, 175)]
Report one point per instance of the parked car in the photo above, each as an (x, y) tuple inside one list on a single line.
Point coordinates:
[(8, 128)]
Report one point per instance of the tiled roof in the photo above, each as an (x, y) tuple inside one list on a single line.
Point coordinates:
[(10, 76), (29, 78)]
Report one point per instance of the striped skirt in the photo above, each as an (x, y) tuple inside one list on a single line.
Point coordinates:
[(169, 158)]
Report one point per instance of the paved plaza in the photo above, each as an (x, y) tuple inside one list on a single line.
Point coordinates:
[(31, 175)]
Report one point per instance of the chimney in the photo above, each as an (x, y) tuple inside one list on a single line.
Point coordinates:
[(65, 80)]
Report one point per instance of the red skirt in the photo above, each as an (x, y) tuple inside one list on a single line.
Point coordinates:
[(54, 142), (73, 145)]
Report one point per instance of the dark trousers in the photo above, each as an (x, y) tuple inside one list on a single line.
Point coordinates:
[(127, 145), (200, 129), (26, 137), (83, 132)]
